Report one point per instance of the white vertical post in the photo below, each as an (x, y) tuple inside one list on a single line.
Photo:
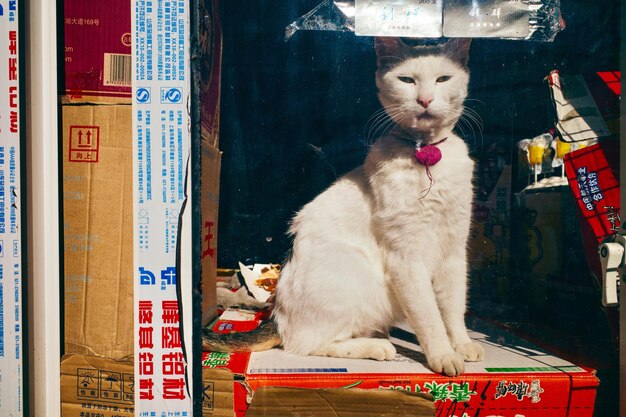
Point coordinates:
[(161, 149), (43, 208), (11, 186), (622, 319)]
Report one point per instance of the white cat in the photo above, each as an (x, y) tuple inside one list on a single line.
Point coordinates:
[(388, 240)]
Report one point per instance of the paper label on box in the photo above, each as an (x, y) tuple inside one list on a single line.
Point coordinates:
[(11, 370), (487, 19), (161, 143), (237, 314), (410, 18), (410, 359), (97, 50)]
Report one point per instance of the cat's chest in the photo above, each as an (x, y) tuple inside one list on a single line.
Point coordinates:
[(401, 176), (445, 179), (452, 165), (455, 166)]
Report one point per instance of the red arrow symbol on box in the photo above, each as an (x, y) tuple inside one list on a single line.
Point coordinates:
[(88, 137), (80, 137)]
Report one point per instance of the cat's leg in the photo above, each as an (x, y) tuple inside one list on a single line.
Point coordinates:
[(413, 290), (358, 348), (450, 285), (332, 299)]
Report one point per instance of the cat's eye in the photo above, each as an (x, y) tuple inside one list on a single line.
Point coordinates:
[(443, 78), (407, 80)]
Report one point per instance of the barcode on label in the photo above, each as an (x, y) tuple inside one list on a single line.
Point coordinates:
[(117, 70)]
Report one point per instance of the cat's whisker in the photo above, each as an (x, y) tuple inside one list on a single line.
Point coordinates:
[(475, 116), (376, 127), (460, 127), (476, 100), (471, 118), (384, 127), (375, 119), (466, 124), (382, 121), (471, 132), (378, 117)]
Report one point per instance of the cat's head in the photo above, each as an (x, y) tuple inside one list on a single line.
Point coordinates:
[(422, 84)]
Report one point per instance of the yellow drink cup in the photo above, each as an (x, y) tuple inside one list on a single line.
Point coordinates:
[(562, 148), (535, 154)]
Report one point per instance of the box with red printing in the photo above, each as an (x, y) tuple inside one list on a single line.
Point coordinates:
[(516, 379), (97, 52), (235, 320)]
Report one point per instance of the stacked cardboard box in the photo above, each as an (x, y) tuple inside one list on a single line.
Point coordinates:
[(97, 212), (96, 373), (97, 181), (515, 379)]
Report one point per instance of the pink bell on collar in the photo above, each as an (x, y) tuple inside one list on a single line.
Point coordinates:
[(428, 155)]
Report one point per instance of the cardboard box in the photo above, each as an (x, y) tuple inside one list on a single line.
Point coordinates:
[(209, 206), (97, 194), (103, 387), (97, 51), (97, 213), (101, 313), (284, 402), (210, 44), (515, 379), (93, 386), (217, 395)]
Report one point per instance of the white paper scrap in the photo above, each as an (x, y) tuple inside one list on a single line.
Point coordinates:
[(251, 277), (237, 314)]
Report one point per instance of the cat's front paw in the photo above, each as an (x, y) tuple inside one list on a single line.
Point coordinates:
[(380, 350), (471, 352), (450, 364)]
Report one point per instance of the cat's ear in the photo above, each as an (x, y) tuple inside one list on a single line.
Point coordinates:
[(459, 49), (388, 49)]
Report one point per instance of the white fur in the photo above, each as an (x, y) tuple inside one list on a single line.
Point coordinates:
[(379, 245)]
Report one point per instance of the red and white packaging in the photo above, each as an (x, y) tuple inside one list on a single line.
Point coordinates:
[(593, 175), (516, 379), (97, 51)]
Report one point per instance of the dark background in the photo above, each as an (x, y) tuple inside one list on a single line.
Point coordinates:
[(294, 113)]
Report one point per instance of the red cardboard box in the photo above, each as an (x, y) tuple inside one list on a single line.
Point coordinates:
[(593, 174), (98, 64), (516, 379)]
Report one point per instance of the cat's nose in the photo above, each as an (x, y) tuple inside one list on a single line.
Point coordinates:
[(425, 102)]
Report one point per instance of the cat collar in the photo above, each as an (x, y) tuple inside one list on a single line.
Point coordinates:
[(427, 156)]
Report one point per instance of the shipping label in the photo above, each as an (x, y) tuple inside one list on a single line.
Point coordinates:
[(11, 330), (413, 18), (84, 143), (97, 50), (161, 142), (589, 188)]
